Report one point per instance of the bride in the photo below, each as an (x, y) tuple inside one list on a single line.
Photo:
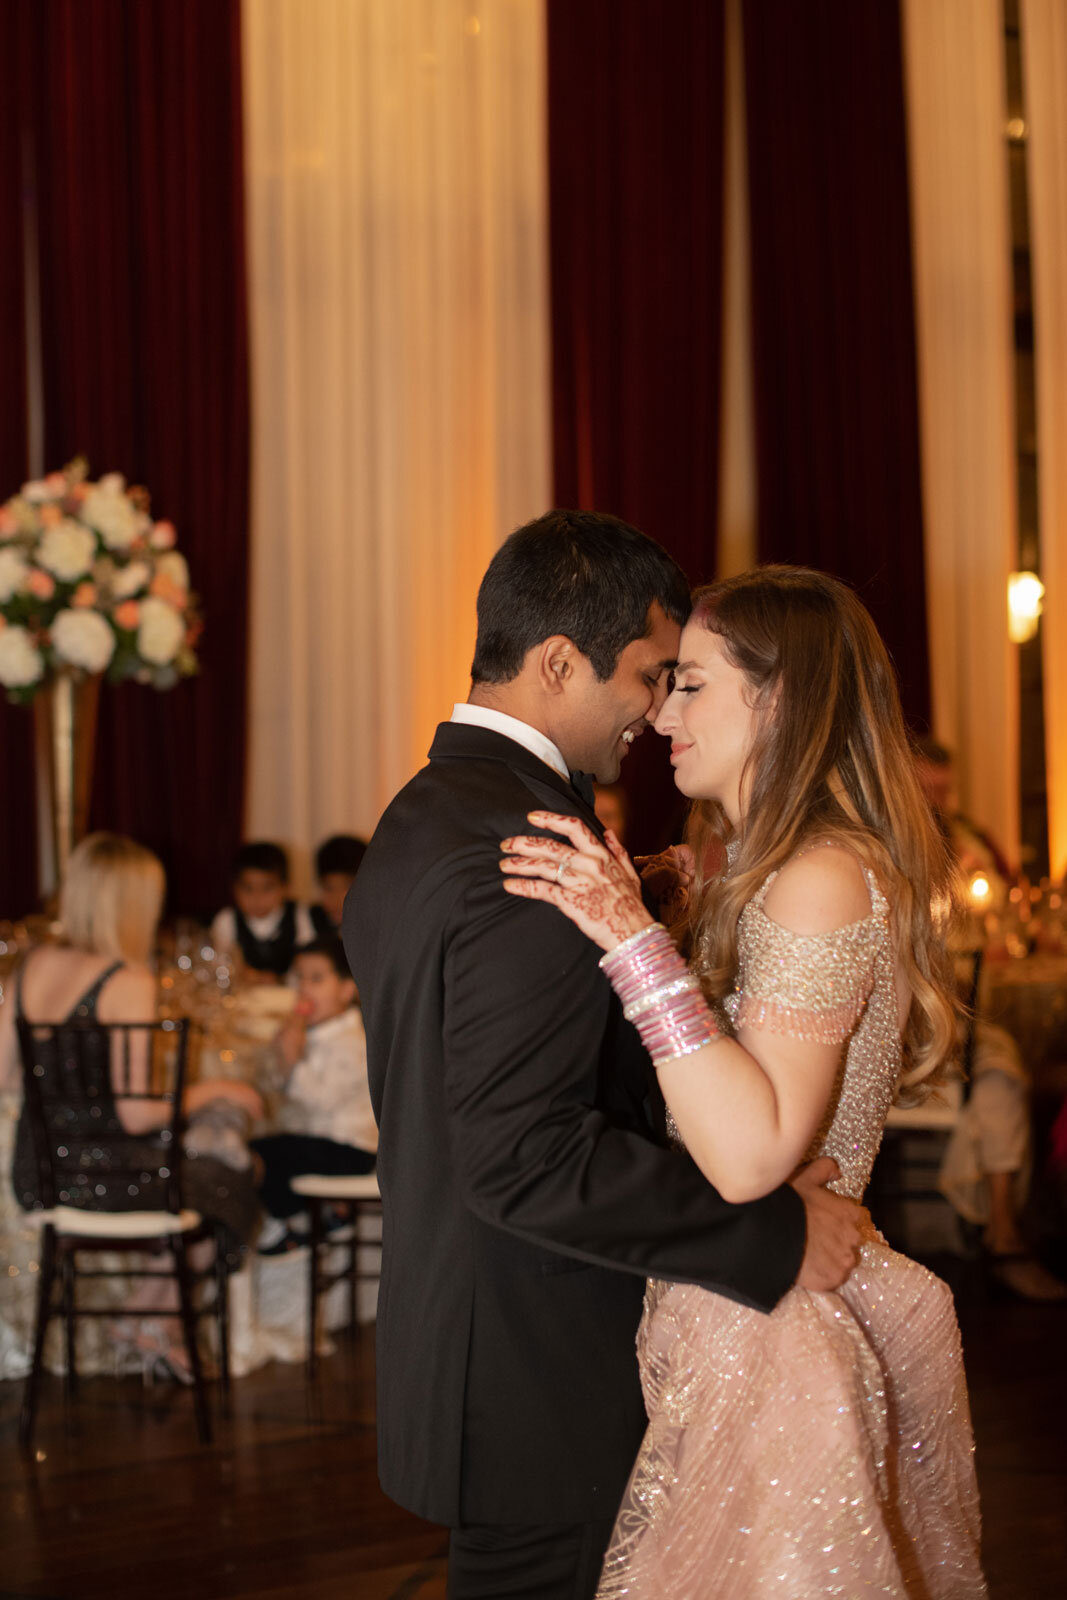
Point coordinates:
[(826, 1448)]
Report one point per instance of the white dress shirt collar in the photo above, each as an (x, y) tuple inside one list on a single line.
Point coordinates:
[(532, 739)]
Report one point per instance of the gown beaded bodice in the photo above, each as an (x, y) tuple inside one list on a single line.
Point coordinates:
[(829, 987)]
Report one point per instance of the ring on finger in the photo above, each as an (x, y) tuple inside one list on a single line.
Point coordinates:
[(561, 869)]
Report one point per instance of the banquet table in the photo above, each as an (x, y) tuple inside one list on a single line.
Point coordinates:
[(230, 1037), (1028, 998)]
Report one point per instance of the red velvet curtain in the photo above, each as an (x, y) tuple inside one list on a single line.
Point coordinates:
[(138, 149), (18, 834), (837, 424), (635, 98)]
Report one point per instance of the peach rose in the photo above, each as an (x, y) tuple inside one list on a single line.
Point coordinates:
[(164, 588), (50, 515), (8, 521), (128, 615), (84, 595), (163, 536), (41, 584)]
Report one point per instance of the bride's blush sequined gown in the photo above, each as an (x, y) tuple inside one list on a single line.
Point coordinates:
[(825, 1449)]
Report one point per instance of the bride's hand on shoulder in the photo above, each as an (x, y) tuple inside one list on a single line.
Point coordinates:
[(594, 884)]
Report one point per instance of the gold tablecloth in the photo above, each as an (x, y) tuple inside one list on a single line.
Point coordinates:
[(1029, 999)]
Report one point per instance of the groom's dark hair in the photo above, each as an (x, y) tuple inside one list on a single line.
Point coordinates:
[(580, 573)]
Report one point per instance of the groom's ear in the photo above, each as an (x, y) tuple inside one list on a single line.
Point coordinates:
[(556, 659)]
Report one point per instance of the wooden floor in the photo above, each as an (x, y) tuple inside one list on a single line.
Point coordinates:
[(122, 1502)]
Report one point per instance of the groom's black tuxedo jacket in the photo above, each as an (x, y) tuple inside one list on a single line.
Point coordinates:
[(526, 1194)]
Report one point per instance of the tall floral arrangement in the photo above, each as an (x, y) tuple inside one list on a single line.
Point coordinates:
[(89, 583)]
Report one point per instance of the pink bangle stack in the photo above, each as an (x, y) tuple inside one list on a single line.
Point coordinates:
[(660, 995)]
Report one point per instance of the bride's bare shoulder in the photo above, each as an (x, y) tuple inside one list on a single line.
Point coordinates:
[(820, 889)]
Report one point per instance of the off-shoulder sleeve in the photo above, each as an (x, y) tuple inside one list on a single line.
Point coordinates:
[(811, 986)]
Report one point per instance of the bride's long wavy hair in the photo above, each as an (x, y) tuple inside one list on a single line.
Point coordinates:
[(831, 759)]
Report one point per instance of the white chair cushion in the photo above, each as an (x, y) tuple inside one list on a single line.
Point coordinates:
[(323, 1188), (118, 1224), (938, 1114)]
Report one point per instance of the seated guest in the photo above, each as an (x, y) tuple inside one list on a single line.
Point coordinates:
[(109, 908), (985, 1174), (975, 850), (336, 863), (326, 1113), (263, 925)]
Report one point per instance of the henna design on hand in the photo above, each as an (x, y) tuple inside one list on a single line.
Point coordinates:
[(600, 891)]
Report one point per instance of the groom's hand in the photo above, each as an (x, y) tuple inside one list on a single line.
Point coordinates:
[(834, 1228), (666, 880)]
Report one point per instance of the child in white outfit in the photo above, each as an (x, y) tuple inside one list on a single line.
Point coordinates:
[(327, 1116)]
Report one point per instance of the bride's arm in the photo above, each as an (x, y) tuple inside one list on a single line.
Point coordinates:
[(748, 1107)]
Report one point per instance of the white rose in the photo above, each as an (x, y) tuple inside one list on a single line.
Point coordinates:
[(175, 567), (161, 633), (128, 580), (84, 638), (14, 571), (21, 663), (67, 550), (112, 513)]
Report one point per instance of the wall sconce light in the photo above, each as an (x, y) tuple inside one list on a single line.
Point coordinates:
[(1025, 594)]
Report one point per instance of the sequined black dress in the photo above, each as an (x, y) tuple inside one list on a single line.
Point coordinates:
[(211, 1187)]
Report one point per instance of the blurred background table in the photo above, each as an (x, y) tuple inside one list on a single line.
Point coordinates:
[(234, 1025), (1028, 998)]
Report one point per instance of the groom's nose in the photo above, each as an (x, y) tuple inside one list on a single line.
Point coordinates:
[(659, 696)]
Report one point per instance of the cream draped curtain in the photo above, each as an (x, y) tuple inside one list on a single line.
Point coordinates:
[(737, 427), (962, 258), (396, 193), (1044, 33)]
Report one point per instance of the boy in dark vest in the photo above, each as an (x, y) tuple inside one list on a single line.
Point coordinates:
[(263, 924)]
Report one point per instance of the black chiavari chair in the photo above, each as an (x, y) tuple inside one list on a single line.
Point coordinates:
[(103, 1188)]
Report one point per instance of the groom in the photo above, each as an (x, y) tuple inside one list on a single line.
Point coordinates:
[(527, 1188)]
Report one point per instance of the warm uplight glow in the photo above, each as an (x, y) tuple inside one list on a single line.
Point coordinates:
[(979, 888), (1025, 594)]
